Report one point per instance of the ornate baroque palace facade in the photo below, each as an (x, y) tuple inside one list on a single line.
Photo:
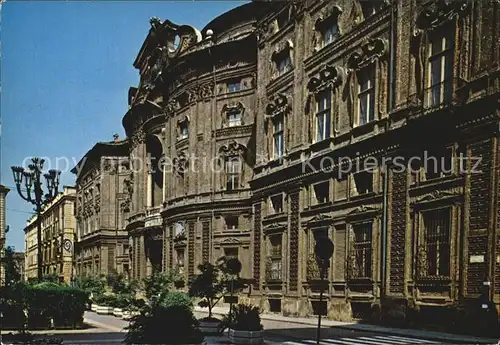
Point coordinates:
[(260, 122), (101, 210)]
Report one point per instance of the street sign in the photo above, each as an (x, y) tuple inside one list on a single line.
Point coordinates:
[(231, 299), (319, 308)]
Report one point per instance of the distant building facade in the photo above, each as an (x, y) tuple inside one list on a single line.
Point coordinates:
[(287, 102), (58, 228), (3, 194), (101, 210)]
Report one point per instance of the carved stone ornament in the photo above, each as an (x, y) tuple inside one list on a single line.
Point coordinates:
[(205, 91), (262, 30), (138, 137), (362, 209), (436, 195), (230, 107), (317, 220), (180, 163), (172, 106), (274, 227), (329, 77), (166, 33), (438, 12), (370, 51), (279, 105), (233, 148), (297, 8)]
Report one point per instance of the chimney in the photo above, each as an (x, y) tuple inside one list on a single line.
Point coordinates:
[(115, 137)]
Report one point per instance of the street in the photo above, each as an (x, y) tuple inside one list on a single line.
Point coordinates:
[(275, 332)]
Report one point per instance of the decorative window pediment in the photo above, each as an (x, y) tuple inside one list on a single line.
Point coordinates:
[(318, 221), (326, 27), (232, 114), (232, 148), (278, 105), (370, 51), (329, 77), (275, 227), (436, 13)]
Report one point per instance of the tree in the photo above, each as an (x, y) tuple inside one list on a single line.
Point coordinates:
[(12, 270), (210, 285)]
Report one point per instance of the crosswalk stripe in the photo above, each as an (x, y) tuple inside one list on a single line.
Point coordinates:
[(396, 341), (412, 339), (374, 341), (342, 341)]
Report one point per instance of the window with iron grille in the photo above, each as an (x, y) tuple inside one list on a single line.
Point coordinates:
[(366, 95), (434, 254), (323, 115), (439, 69), (278, 137), (275, 257), (362, 250), (233, 169)]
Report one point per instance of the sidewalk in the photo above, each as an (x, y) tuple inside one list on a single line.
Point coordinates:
[(430, 335)]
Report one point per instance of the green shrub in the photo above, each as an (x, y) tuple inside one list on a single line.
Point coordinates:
[(159, 324), (177, 299), (91, 284), (63, 304), (245, 317)]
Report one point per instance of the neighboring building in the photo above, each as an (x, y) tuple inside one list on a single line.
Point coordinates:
[(101, 209), (58, 227), (283, 97), (3, 194)]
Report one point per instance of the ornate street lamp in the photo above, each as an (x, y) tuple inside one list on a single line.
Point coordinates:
[(34, 194)]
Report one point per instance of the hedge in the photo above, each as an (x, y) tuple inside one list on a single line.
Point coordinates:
[(44, 304)]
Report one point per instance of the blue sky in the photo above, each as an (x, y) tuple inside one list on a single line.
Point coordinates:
[(65, 72)]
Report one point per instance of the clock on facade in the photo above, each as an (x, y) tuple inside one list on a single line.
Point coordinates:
[(67, 245)]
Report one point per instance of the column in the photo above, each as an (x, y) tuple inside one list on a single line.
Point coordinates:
[(149, 200)]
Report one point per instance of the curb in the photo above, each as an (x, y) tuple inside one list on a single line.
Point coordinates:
[(448, 337), (105, 326)]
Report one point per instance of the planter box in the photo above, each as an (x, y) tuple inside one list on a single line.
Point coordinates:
[(209, 327), (118, 312), (245, 337), (103, 310), (93, 307), (126, 315)]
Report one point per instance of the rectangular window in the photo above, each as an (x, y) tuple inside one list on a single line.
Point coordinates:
[(366, 96), (233, 87), (231, 253), (363, 181), (435, 254), (234, 118), (180, 260), (363, 250), (231, 222), (233, 168), (278, 137), (323, 115), (184, 130), (440, 69), (283, 64), (438, 163), (277, 203), (330, 33), (322, 192), (275, 256)]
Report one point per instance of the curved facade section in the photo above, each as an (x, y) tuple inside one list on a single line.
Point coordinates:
[(191, 124)]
